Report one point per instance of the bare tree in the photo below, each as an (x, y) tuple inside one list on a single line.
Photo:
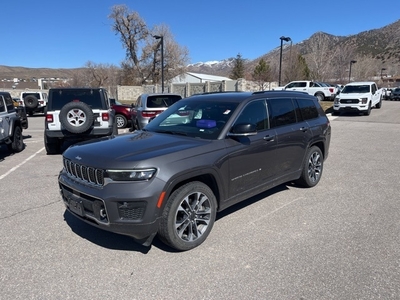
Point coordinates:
[(319, 55), (340, 63), (143, 50)]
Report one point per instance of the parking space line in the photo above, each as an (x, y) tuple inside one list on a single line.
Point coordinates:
[(22, 163)]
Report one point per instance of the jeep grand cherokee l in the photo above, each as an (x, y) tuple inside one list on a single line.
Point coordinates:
[(202, 155)]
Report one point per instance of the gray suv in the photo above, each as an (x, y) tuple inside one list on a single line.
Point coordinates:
[(202, 155), (148, 106), (76, 114)]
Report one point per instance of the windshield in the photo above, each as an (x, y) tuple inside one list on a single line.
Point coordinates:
[(202, 119), (356, 89)]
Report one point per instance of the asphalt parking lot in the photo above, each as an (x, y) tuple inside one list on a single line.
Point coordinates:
[(339, 240)]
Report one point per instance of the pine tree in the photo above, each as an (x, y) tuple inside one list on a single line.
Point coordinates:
[(262, 74), (238, 68)]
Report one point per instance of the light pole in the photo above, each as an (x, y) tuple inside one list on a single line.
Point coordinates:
[(286, 39), (351, 62), (158, 37)]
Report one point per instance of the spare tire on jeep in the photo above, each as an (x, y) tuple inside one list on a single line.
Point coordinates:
[(76, 117), (31, 101)]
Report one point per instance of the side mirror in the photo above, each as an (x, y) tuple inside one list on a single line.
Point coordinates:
[(243, 129)]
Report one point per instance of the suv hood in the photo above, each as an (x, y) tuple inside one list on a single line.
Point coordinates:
[(127, 150)]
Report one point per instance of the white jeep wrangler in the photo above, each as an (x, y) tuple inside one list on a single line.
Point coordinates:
[(77, 114), (34, 101)]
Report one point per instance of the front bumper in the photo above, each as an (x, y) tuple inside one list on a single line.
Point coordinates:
[(344, 108), (123, 208)]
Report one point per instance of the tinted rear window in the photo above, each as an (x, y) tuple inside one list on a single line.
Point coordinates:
[(62, 97), (308, 110), (162, 100)]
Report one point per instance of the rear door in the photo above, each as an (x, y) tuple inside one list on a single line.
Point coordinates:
[(292, 132)]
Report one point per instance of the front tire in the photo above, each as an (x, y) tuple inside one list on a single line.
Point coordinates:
[(188, 216), (368, 111), (17, 143), (312, 169)]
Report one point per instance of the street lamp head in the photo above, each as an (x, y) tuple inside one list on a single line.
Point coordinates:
[(353, 61), (157, 37), (383, 69), (285, 38)]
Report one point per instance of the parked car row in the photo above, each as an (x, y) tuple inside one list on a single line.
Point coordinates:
[(392, 94), (321, 90)]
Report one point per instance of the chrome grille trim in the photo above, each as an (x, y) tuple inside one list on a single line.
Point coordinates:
[(87, 174)]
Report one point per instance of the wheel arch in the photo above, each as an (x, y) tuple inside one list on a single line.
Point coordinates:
[(14, 123), (206, 176), (320, 145), (319, 93)]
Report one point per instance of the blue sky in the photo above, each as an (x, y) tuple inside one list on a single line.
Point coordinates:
[(67, 34)]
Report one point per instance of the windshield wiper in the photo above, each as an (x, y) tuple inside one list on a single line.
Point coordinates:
[(171, 132)]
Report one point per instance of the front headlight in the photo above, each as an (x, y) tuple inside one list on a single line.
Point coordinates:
[(131, 175), (364, 100), (336, 101)]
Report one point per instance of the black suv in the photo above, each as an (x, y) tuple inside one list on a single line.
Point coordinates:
[(202, 155), (77, 114)]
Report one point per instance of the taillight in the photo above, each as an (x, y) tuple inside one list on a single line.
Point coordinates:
[(331, 90), (151, 113), (105, 116), (49, 118)]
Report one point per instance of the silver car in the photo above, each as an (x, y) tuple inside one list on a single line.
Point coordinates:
[(148, 106)]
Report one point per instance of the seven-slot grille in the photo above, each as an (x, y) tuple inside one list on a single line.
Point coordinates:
[(87, 174)]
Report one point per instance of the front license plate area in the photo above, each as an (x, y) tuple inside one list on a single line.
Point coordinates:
[(76, 206)]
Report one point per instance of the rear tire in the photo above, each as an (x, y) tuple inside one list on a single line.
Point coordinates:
[(379, 104), (31, 101), (312, 169), (17, 143), (320, 96), (76, 117), (52, 145), (121, 121)]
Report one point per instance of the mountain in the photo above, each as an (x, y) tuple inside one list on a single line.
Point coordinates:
[(28, 73), (327, 55)]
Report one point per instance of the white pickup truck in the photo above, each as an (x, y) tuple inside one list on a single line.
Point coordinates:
[(359, 97), (318, 89)]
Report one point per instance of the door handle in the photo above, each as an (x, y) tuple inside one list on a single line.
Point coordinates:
[(304, 129), (269, 138)]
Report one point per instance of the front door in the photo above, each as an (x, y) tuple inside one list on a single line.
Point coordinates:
[(251, 161)]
